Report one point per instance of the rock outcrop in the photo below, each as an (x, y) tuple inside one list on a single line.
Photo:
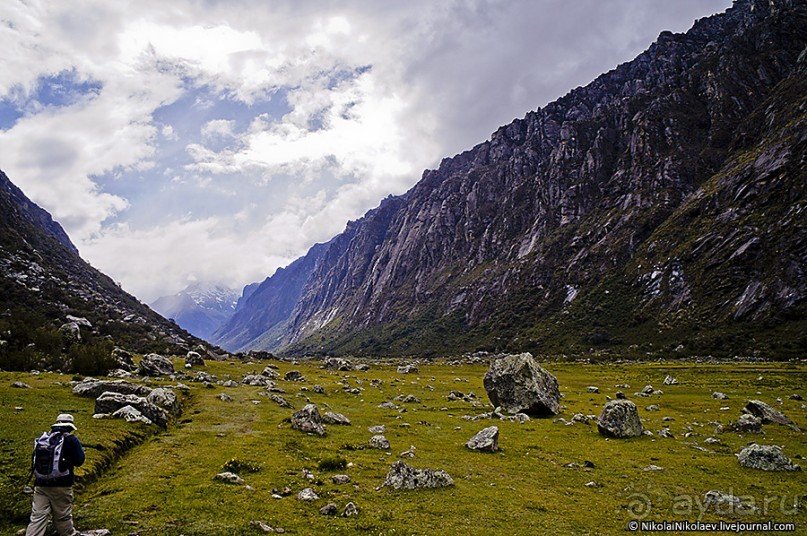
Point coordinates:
[(308, 420), (620, 419), (766, 458), (155, 365), (404, 476), (111, 402)]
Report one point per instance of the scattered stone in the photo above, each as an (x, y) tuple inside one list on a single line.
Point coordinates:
[(519, 385), (111, 402), (341, 479), (669, 380), (620, 419), (280, 401), (592, 484), (92, 388), (665, 432), (652, 407), (582, 419), (404, 476), (257, 380), (95, 532), (485, 440), (711, 440), (329, 509), (795, 396), (229, 478), (194, 359), (748, 424), (335, 418), (20, 385), (294, 376), (155, 365), (229, 383), (270, 373), (350, 510), (592, 389), (336, 363), (307, 494), (411, 399), (766, 458), (620, 395), (407, 369), (166, 399), (308, 420), (717, 395), (224, 397), (123, 360), (379, 442), (129, 414), (318, 389), (260, 525), (377, 429), (724, 503), (652, 468), (387, 405), (768, 414)]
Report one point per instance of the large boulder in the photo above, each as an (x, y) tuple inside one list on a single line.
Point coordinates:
[(130, 414), (336, 363), (155, 365), (517, 384), (487, 440), (194, 359), (92, 388), (620, 419), (124, 360), (404, 476), (748, 424), (766, 458), (111, 402), (760, 409), (308, 420), (166, 399), (70, 332)]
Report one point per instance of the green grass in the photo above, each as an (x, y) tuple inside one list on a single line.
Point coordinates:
[(165, 485)]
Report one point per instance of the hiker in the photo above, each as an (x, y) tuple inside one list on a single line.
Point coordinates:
[(56, 453)]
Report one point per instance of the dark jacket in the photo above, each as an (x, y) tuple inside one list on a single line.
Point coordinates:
[(72, 456)]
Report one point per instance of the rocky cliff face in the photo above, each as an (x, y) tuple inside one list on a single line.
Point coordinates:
[(200, 308), (45, 285), (658, 208)]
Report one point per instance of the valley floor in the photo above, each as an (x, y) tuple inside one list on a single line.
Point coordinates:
[(165, 485)]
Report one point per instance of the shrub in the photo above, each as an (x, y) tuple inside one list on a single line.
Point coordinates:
[(332, 464), (234, 465)]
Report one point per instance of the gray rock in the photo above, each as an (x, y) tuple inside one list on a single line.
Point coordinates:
[(335, 418), (519, 385), (257, 380), (717, 395), (329, 509), (377, 429), (768, 414), (486, 440), (130, 414), (166, 399), (407, 369), (194, 359), (336, 363), (350, 510), (95, 532), (620, 419), (669, 380), (261, 526), (652, 407), (725, 503), (341, 479), (582, 419), (766, 458), (387, 405), (665, 432), (111, 402), (620, 395), (224, 397), (155, 365), (748, 424), (294, 376), (379, 442), (308, 494), (20, 385), (280, 401), (308, 420), (270, 373), (592, 389), (229, 478), (124, 360), (318, 389), (70, 332), (404, 476), (92, 388)]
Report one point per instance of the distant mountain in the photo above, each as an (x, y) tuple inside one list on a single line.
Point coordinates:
[(659, 209), (201, 308), (45, 286), (264, 309)]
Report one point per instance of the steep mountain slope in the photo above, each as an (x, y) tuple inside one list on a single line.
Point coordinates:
[(263, 310), (657, 208), (44, 285), (200, 308)]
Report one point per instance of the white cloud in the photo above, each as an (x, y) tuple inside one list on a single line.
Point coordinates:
[(307, 112)]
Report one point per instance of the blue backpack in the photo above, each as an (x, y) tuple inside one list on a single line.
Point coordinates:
[(47, 455)]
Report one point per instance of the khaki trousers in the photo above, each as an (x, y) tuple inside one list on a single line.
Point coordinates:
[(55, 501)]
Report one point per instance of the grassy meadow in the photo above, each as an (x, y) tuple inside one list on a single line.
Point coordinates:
[(140, 480)]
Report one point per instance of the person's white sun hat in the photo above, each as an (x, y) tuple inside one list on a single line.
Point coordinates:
[(65, 420)]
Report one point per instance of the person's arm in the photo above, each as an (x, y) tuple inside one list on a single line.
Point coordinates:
[(75, 452)]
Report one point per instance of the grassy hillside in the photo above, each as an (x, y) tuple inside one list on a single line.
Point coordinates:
[(165, 485)]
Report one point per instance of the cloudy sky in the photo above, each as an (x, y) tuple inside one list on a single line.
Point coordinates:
[(203, 140)]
